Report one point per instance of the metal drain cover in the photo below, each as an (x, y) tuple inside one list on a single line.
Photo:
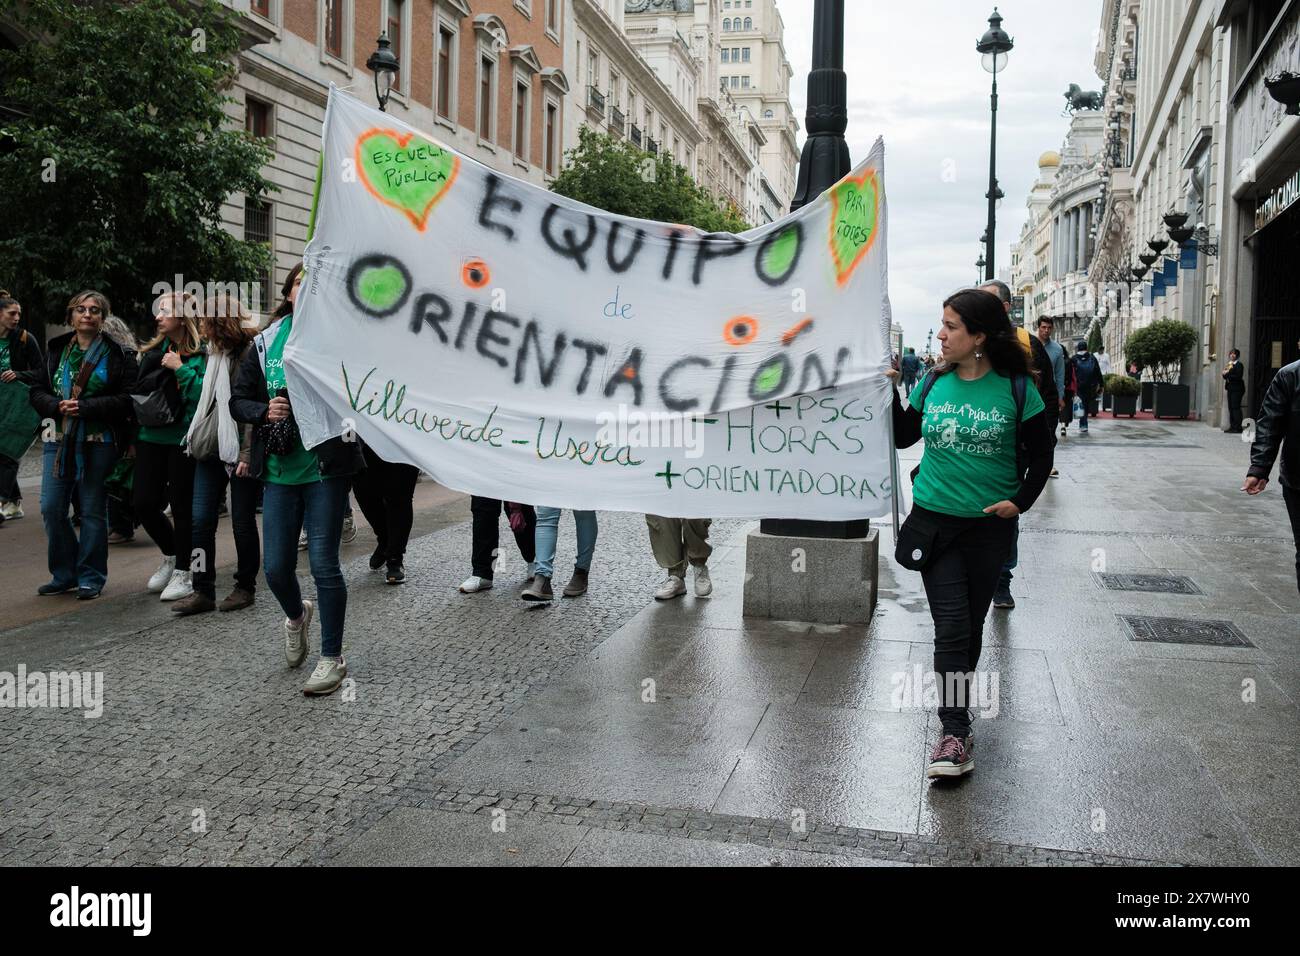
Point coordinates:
[(1149, 583), (1177, 630)]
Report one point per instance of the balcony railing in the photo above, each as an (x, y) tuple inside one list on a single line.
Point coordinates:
[(635, 135), (595, 100), (617, 120), (1129, 74), (651, 146)]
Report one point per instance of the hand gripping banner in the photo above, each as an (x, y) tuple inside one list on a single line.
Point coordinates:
[(519, 345)]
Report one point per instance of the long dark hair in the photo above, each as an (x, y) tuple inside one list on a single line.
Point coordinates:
[(982, 311), (285, 306)]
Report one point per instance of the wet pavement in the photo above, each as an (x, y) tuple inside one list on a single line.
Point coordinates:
[(614, 730)]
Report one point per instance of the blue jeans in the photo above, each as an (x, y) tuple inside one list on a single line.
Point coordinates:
[(548, 529), (78, 561), (318, 506), (210, 480), (1014, 558)]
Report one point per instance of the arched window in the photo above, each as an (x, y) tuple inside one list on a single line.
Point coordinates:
[(768, 114), (749, 23)]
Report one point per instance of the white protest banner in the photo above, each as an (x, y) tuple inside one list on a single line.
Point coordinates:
[(519, 345)]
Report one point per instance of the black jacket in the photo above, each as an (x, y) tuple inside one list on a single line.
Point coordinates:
[(1234, 378), (111, 407), (248, 405), (1278, 429), (1042, 364), (25, 356)]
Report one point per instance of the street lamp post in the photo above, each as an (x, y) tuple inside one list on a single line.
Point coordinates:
[(823, 162), (383, 64), (994, 45)]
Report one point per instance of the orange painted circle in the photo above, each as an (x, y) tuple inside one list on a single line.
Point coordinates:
[(741, 330), (474, 274)]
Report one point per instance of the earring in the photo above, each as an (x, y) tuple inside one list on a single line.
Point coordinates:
[(978, 355)]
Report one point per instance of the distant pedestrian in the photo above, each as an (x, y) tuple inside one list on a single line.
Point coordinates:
[(1277, 429), (1083, 382), (20, 361), (85, 390), (486, 536), (987, 458), (1234, 383), (121, 480), (911, 368), (677, 542), (548, 529), (385, 493)]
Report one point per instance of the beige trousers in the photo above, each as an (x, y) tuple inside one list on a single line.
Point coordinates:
[(678, 540)]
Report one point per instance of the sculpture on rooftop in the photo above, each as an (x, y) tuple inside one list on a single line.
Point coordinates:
[(1079, 99)]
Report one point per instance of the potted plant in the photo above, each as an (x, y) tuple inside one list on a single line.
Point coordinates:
[(1162, 346), (1123, 392), (1136, 351)]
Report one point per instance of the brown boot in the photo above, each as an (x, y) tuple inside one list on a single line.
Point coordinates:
[(196, 603), (238, 600), (577, 584)]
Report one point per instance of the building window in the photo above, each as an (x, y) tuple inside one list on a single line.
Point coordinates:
[(726, 55), (550, 135), (553, 16), (257, 117), (744, 82), (768, 114), (735, 82), (726, 25), (521, 120), (749, 23), (593, 69), (262, 8), (334, 27), (487, 71), (744, 54), (446, 72), (259, 226), (394, 25)]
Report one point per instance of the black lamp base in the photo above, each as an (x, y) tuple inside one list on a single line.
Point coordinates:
[(803, 528)]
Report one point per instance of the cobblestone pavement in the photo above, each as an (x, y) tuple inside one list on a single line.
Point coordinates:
[(207, 753)]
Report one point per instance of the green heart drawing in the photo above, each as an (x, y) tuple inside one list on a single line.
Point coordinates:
[(411, 177), (855, 204)]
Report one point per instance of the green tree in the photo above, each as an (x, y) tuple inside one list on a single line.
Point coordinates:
[(118, 143), (1094, 339), (614, 175), (1161, 346)]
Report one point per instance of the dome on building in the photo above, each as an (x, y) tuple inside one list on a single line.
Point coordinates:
[(1049, 158)]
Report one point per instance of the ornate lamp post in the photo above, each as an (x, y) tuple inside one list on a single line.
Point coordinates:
[(383, 63), (994, 45)]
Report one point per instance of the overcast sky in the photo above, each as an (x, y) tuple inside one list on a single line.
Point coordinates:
[(915, 79)]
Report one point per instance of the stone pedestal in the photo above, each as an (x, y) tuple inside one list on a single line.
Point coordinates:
[(820, 580)]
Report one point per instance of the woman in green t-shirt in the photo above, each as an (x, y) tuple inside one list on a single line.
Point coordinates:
[(988, 454), (164, 474)]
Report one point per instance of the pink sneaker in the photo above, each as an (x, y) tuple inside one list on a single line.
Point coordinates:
[(952, 757)]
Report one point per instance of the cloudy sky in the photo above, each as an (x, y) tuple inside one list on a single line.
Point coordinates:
[(915, 79)]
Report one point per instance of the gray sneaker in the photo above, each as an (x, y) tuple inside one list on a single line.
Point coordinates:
[(295, 638), (539, 589), (327, 677), (349, 529)]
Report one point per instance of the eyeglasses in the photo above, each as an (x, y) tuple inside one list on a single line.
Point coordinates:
[(87, 310)]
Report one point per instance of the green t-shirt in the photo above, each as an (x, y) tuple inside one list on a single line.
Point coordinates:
[(189, 379), (970, 443), (301, 466), (69, 369)]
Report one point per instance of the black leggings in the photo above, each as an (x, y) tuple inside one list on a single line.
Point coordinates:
[(164, 475), (487, 531), (959, 584), (384, 492)]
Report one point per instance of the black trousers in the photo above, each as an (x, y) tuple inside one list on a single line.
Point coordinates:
[(487, 534), (1292, 497), (1234, 409), (384, 492), (9, 490), (164, 475), (959, 583)]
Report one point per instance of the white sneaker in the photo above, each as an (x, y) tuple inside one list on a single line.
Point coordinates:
[(11, 510), (703, 583), (349, 529), (673, 587), (181, 585), (326, 677), (474, 583), (295, 638), (162, 577)]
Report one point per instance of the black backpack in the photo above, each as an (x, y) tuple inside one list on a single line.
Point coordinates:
[(1019, 385)]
